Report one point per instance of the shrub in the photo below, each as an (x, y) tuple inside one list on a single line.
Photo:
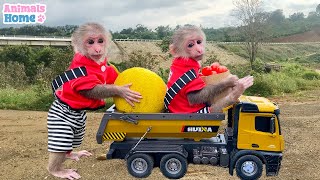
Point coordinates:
[(138, 59), (57, 59), (263, 86), (42, 102), (303, 84), (141, 59), (311, 75), (284, 83), (164, 44), (209, 60), (314, 58), (21, 54), (164, 74), (241, 70), (258, 66), (61, 61), (294, 70), (12, 75)]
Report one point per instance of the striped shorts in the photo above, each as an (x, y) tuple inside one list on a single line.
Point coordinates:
[(66, 127), (204, 110)]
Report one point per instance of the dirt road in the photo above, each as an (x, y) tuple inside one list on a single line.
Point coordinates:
[(23, 146)]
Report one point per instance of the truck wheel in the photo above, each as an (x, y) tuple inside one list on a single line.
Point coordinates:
[(140, 165), (173, 166), (249, 167)]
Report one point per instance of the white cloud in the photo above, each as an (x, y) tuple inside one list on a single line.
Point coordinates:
[(289, 7)]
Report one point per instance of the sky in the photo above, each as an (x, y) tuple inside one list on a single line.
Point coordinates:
[(116, 15)]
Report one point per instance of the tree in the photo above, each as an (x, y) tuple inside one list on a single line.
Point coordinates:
[(127, 31), (312, 14), (296, 16), (277, 16), (141, 29), (142, 32), (23, 55), (253, 25), (163, 31)]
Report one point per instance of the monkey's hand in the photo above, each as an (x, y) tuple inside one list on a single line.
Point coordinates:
[(77, 155), (246, 82), (129, 95), (102, 91), (230, 81)]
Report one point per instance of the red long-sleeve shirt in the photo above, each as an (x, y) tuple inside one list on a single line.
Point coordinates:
[(96, 74), (180, 103)]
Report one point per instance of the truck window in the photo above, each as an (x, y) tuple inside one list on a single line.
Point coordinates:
[(263, 124)]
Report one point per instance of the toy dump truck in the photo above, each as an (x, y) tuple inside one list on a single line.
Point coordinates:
[(251, 138)]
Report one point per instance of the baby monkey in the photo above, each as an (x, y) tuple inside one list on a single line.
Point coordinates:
[(187, 92), (84, 86)]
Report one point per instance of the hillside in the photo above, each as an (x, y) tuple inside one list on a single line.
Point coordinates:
[(121, 49), (309, 36), (231, 54)]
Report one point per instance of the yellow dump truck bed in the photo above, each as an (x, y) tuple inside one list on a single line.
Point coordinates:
[(116, 126)]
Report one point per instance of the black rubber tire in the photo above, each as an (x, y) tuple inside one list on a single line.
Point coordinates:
[(147, 165), (180, 163), (254, 167)]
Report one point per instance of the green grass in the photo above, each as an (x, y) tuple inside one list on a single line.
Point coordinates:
[(30, 99), (18, 99), (278, 83)]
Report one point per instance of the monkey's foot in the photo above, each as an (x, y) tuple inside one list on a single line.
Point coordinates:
[(70, 174), (77, 155)]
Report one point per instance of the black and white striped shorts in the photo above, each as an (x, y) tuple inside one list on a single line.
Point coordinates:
[(204, 110), (66, 127)]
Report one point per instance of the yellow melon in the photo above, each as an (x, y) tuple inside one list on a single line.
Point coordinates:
[(146, 82)]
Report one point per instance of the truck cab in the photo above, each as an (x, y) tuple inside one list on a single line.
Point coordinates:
[(254, 132)]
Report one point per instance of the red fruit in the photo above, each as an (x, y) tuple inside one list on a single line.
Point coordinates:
[(206, 71), (222, 69), (214, 72), (214, 66)]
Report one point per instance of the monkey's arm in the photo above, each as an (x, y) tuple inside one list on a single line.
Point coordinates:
[(210, 91), (109, 90)]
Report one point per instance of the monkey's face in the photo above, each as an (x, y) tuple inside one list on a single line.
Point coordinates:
[(194, 46), (95, 47)]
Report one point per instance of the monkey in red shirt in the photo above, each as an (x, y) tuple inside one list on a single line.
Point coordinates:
[(187, 93), (84, 86)]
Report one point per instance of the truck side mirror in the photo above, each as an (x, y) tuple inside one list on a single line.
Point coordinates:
[(272, 125)]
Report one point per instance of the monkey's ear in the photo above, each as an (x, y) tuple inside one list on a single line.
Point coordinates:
[(172, 50)]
